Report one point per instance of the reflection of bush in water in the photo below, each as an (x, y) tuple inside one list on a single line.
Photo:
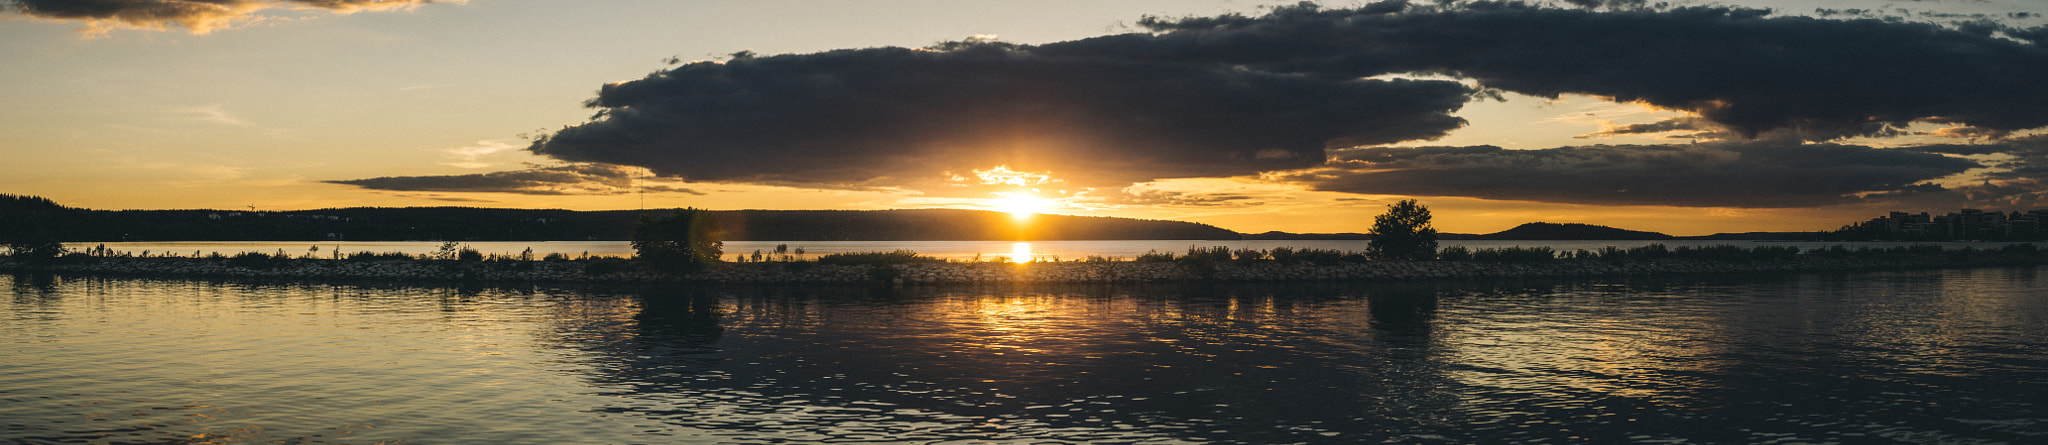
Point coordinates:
[(685, 320), (604, 265), (30, 283)]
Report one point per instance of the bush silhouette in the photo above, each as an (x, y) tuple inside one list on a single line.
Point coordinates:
[(1403, 233), (35, 250), (687, 240)]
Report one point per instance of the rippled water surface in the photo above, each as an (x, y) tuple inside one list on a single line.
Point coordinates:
[(1955, 356)]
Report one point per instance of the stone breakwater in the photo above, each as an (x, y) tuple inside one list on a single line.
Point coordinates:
[(962, 272)]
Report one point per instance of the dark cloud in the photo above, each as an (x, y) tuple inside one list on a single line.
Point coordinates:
[(579, 179), (2012, 194), (669, 189), (1971, 133), (1747, 175), (1664, 126), (198, 16), (447, 198), (1742, 68), (892, 116), (1827, 12), (2017, 177), (2038, 35), (1610, 4), (2025, 145), (360, 5), (2026, 158), (1237, 95), (1173, 198)]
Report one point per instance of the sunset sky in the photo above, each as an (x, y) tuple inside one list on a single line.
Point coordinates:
[(1689, 118)]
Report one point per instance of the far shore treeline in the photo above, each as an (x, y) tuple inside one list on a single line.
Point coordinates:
[(42, 218), (39, 218)]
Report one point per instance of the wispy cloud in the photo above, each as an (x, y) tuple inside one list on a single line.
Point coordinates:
[(471, 156), (575, 179), (1691, 128), (216, 114), (1766, 174)]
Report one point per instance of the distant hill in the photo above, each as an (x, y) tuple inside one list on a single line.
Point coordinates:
[(1556, 231), (951, 225), (24, 217), (19, 204)]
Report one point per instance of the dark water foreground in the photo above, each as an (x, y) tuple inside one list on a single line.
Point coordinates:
[(1950, 356)]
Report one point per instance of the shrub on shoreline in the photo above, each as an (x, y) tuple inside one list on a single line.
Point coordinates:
[(900, 256), (1516, 254), (376, 256), (687, 240), (1154, 257)]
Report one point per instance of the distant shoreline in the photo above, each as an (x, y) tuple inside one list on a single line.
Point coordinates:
[(955, 272), (948, 250)]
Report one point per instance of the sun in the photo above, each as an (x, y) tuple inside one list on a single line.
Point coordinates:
[(1020, 204)]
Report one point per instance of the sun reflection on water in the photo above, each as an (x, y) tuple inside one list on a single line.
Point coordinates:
[(1020, 252)]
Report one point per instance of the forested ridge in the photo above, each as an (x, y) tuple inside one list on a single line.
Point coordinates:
[(20, 215)]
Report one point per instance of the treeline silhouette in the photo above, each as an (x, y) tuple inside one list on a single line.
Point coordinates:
[(947, 224), (30, 215)]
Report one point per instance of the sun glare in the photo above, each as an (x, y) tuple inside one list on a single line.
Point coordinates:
[(1020, 204)]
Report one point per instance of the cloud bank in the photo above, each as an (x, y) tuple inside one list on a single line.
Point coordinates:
[(1746, 175), (1239, 95), (1313, 97), (2019, 171), (891, 116), (196, 16), (1745, 69)]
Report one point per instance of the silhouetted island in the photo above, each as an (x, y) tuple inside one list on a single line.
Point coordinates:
[(1557, 231)]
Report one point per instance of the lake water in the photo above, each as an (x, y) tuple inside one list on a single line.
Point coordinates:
[(952, 250), (1953, 356)]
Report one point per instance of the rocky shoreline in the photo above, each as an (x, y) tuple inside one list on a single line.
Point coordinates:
[(991, 272)]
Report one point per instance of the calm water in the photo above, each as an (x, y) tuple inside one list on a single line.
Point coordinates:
[(1934, 356), (953, 250)]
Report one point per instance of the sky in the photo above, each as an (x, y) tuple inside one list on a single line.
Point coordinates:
[(1687, 118)]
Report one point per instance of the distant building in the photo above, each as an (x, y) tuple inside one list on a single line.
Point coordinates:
[(1964, 224)]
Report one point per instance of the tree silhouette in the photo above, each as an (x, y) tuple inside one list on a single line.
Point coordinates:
[(1403, 233), (687, 240), (36, 249)]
